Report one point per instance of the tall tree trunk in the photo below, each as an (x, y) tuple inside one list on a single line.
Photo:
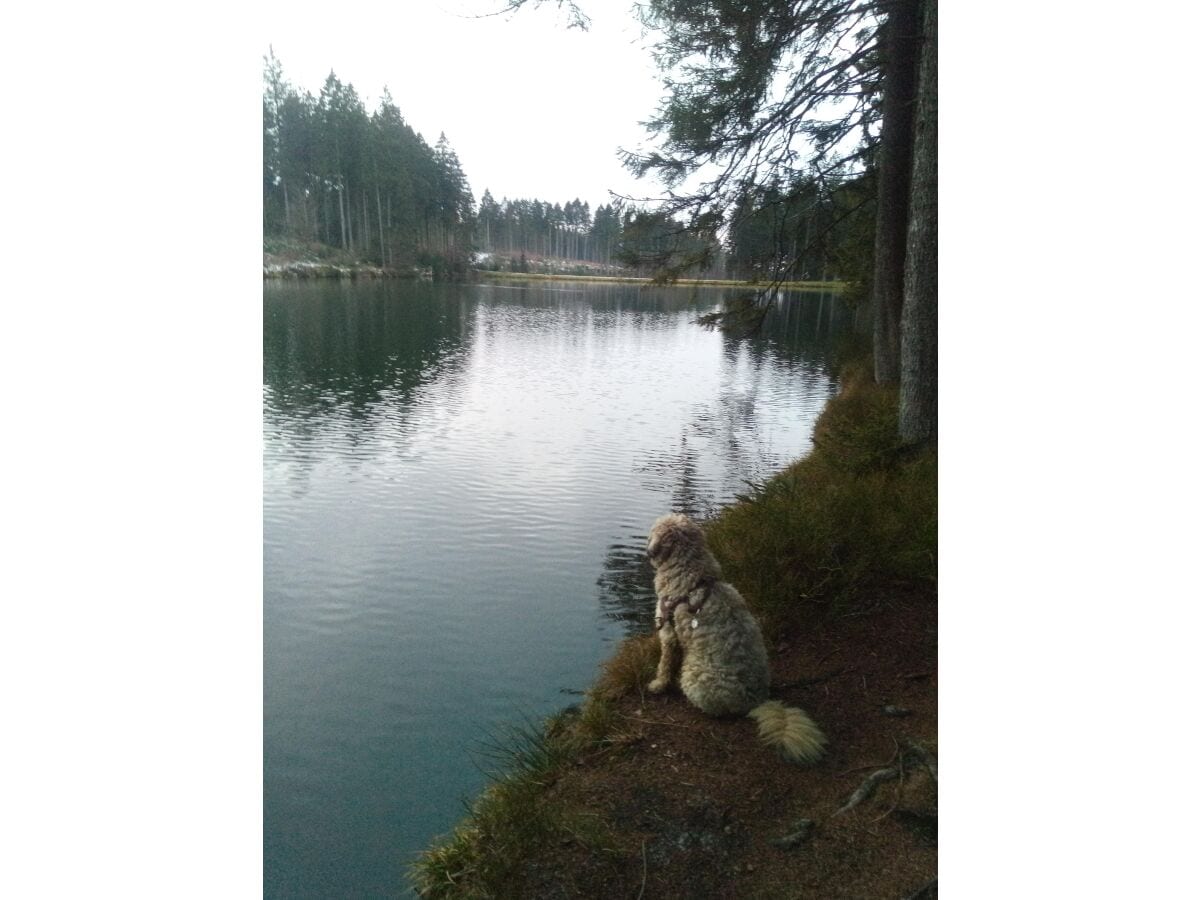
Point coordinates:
[(364, 227), (902, 32), (379, 213), (918, 323), (342, 213)]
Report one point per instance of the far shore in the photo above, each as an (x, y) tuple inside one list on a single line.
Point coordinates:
[(307, 270), (685, 282), (284, 259)]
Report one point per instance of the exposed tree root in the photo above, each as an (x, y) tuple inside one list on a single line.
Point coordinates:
[(801, 831), (923, 756), (905, 761), (865, 790)]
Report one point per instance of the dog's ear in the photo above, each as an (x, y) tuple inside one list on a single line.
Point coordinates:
[(655, 549), (664, 538)]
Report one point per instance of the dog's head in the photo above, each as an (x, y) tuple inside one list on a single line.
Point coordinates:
[(673, 534)]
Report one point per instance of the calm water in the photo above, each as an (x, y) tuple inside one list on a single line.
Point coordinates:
[(458, 480)]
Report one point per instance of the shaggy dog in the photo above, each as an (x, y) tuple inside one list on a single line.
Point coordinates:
[(705, 621)]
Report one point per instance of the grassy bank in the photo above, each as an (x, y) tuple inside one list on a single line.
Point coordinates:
[(628, 790), (854, 519)]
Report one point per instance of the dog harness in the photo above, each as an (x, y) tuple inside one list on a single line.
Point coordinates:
[(667, 605)]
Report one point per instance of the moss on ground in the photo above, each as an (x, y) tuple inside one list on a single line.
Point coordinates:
[(855, 517)]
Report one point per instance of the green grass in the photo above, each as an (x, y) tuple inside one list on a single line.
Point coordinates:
[(485, 855), (845, 525), (627, 671)]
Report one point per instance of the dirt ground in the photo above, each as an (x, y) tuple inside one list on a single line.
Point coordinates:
[(697, 807)]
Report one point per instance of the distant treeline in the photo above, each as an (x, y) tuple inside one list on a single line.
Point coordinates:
[(372, 186), (366, 183), (569, 231)]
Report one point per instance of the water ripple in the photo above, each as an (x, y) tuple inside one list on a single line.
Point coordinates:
[(458, 482)]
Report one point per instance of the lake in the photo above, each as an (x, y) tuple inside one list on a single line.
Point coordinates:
[(458, 481)]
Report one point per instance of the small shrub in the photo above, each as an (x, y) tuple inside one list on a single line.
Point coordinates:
[(597, 720), (528, 750), (629, 669), (485, 855)]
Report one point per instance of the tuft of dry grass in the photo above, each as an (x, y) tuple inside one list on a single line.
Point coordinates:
[(630, 669), (626, 672), (484, 856)]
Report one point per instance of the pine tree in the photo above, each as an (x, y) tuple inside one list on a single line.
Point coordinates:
[(454, 203), (489, 219), (918, 351), (772, 92), (369, 184)]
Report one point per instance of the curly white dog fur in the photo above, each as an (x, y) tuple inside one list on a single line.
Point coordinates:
[(705, 621)]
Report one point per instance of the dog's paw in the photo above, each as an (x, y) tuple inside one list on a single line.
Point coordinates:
[(657, 686)]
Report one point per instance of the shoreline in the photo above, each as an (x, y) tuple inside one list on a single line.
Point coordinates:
[(310, 270), (831, 286), (303, 270), (836, 556)]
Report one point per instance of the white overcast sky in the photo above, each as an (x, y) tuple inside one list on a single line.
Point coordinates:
[(532, 108)]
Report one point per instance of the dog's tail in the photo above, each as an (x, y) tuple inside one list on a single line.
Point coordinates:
[(790, 731)]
